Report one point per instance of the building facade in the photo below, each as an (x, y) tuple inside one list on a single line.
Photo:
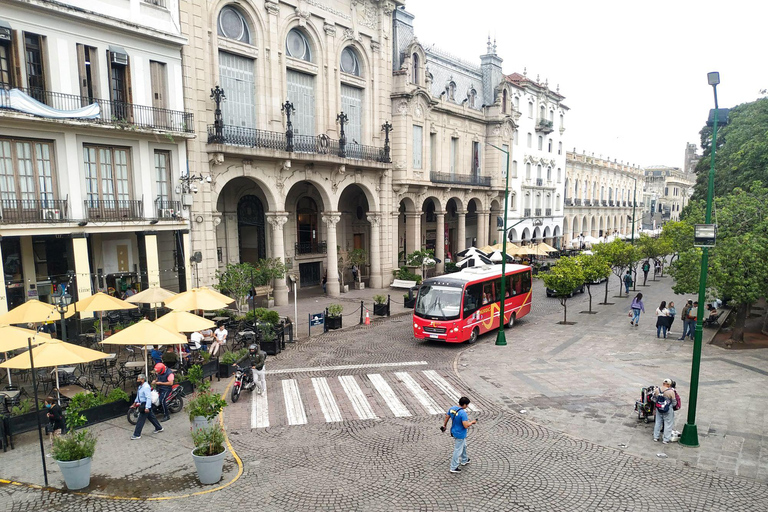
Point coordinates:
[(93, 138), (601, 196), (667, 191), (295, 147)]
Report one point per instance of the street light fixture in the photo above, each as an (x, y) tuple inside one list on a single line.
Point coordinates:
[(501, 338), (690, 435), (62, 306)]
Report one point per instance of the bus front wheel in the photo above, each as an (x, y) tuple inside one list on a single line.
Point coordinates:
[(473, 336)]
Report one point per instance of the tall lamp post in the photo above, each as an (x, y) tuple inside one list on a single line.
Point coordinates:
[(690, 435), (61, 308), (501, 338), (634, 204)]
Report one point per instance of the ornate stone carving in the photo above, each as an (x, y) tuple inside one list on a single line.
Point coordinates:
[(389, 8), (272, 8), (399, 166), (216, 158), (418, 113), (330, 30), (366, 13), (303, 15), (374, 218), (277, 220), (331, 218), (496, 130), (335, 181), (283, 176), (348, 34), (375, 46), (402, 108)]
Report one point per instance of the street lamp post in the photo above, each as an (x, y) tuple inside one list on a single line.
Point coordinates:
[(634, 204), (501, 338), (61, 308), (690, 435)]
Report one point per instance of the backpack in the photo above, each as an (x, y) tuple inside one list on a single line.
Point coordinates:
[(679, 402), (662, 403), (628, 279), (646, 267)]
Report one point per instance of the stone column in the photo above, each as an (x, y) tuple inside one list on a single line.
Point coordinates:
[(440, 242), (82, 267), (482, 227), (187, 242), (28, 268), (277, 220), (376, 278), (153, 264), (332, 285), (461, 232), (3, 298), (396, 239), (412, 232)]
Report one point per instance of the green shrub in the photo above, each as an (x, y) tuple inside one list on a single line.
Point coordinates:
[(233, 357), (379, 299), (75, 445), (406, 275), (451, 267), (205, 403), (267, 331), (263, 315), (195, 375), (208, 441), (24, 407), (335, 309), (116, 395)]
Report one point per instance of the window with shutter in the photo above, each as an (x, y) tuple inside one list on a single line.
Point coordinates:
[(352, 106), (418, 141), (236, 75), (301, 92)]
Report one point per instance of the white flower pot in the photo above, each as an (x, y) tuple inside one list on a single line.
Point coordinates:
[(209, 468), (200, 423), (76, 473)]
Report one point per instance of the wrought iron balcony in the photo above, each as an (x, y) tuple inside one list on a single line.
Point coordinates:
[(527, 212), (537, 212), (113, 209), (539, 182), (33, 211), (460, 179), (568, 201), (548, 212), (544, 126), (578, 202), (610, 203), (318, 145), (311, 248), (167, 210), (604, 202), (115, 113)]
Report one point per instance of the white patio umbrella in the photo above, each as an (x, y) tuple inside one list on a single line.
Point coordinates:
[(474, 261), (498, 256), (470, 251)]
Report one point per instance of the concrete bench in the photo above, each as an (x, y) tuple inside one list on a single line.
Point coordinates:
[(402, 283)]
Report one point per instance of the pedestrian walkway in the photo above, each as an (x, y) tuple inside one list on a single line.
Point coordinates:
[(364, 396)]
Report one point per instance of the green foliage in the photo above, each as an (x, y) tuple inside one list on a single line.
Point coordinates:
[(195, 375), (206, 356), (232, 357), (379, 299), (406, 275), (649, 247), (450, 267), (263, 315), (75, 445), (116, 395), (678, 235), (357, 257), (619, 255), (594, 268), (417, 258), (25, 406), (267, 331), (335, 309), (208, 441), (237, 279), (83, 401), (267, 270), (564, 278), (205, 403)]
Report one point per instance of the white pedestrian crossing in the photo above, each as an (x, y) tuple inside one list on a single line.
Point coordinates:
[(355, 397), (294, 407), (327, 403)]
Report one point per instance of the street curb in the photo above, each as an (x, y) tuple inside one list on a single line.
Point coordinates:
[(149, 498)]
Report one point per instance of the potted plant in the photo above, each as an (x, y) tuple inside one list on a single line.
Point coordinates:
[(357, 258), (409, 299), (268, 338), (333, 318), (73, 452), (210, 365), (209, 453), (380, 305), (205, 405), (228, 359)]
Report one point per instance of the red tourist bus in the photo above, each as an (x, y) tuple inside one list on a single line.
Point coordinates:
[(461, 306)]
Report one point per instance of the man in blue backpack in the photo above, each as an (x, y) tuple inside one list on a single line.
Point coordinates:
[(666, 404), (460, 424)]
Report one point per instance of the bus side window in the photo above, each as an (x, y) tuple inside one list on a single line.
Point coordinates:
[(516, 284), (526, 279), (473, 298), (508, 290), (497, 290)]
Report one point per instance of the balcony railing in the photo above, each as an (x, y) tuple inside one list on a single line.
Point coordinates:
[(568, 201), (114, 209), (159, 3), (537, 212), (167, 210), (539, 182), (460, 179), (527, 212), (604, 202), (23, 211), (544, 126), (318, 145), (548, 212), (311, 247), (623, 203), (610, 203), (116, 113), (577, 202)]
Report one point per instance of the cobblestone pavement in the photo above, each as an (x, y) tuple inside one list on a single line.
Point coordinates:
[(399, 463)]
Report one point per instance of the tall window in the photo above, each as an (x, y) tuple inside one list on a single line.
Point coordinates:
[(297, 45), (350, 64), (107, 173), (551, 116), (6, 65), (530, 139), (415, 69), (504, 100), (530, 109), (87, 66), (541, 143), (475, 158), (26, 171), (559, 148), (514, 168), (33, 51), (433, 151), (515, 137), (516, 101), (549, 146), (232, 25), (559, 174), (301, 92), (236, 75), (119, 89), (163, 175), (549, 174), (352, 106), (418, 141), (454, 152), (528, 171), (504, 158), (538, 172)]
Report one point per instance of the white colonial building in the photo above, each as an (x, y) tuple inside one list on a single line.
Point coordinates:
[(667, 191), (93, 138), (600, 196)]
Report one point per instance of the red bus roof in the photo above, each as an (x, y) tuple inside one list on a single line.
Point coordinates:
[(473, 274)]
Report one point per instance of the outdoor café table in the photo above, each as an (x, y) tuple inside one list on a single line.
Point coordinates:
[(11, 394), (218, 319), (66, 374), (110, 357), (134, 364), (72, 390)]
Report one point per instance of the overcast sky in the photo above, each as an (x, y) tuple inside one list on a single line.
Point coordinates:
[(634, 74)]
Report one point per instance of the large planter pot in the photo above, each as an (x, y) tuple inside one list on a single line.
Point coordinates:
[(106, 412), (409, 303), (380, 309), (359, 286), (26, 422), (76, 473), (200, 423), (272, 347), (187, 387), (209, 468), (333, 322), (210, 368), (225, 370)]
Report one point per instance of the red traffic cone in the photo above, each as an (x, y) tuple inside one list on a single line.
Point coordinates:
[(367, 318)]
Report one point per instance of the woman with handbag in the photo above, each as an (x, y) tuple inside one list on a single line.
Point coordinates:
[(662, 319)]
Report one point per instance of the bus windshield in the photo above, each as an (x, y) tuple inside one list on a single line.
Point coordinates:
[(438, 302)]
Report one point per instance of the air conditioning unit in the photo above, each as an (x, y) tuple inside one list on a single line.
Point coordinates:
[(50, 214), (167, 213), (119, 58)]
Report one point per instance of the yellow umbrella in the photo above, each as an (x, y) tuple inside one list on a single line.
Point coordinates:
[(198, 298), (213, 293), (182, 321), (101, 302), (547, 247), (490, 248), (144, 332), (14, 338), (54, 353), (33, 312), (519, 251), (153, 295)]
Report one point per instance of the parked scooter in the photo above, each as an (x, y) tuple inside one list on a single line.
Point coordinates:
[(174, 401)]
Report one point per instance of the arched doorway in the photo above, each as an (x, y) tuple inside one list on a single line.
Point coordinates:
[(307, 235), (251, 229), (307, 232)]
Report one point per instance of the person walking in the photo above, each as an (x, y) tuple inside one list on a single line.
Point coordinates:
[(666, 401), (628, 281), (460, 424), (144, 402), (662, 319), (637, 306), (672, 314), (691, 320), (56, 424), (163, 384), (646, 269)]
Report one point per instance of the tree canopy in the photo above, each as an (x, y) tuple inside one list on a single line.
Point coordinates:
[(564, 278)]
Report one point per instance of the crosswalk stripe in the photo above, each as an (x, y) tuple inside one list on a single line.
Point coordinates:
[(446, 388), (260, 409), (327, 402), (356, 396), (418, 392), (294, 407), (394, 403)]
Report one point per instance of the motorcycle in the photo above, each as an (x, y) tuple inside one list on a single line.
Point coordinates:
[(174, 401), (243, 378)]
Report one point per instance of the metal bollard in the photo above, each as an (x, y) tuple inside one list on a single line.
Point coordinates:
[(362, 306), (389, 301)]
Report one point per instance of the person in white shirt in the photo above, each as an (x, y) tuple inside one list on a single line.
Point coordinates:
[(195, 340), (221, 339)]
